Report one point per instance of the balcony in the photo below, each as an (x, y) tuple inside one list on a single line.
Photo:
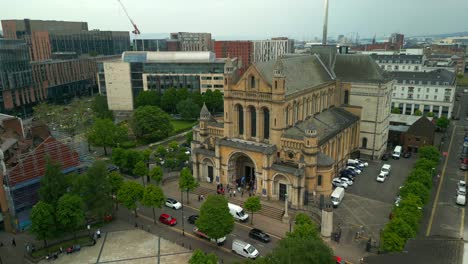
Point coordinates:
[(251, 95)]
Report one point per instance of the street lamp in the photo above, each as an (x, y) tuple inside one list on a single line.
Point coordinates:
[(182, 201)]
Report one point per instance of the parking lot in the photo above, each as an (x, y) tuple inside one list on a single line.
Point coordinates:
[(368, 203)]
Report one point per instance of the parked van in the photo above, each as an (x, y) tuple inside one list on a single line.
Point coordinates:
[(244, 249), (237, 212), (337, 196), (396, 152), (461, 199)]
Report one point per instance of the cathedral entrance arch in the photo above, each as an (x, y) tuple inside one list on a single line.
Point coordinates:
[(208, 169), (242, 171), (281, 186)]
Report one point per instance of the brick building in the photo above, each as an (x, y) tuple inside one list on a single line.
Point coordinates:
[(420, 133), (243, 50)]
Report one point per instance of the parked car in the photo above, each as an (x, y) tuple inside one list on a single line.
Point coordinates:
[(385, 156), (337, 182), (173, 203), (386, 169), (461, 187), (258, 234), (349, 172), (357, 170), (167, 219), (363, 162), (192, 219), (461, 199), (463, 166), (407, 155), (381, 177), (357, 163), (347, 181)]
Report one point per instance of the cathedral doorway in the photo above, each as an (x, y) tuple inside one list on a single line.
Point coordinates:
[(242, 171)]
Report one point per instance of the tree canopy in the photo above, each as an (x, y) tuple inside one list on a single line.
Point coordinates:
[(150, 123), (97, 191), (169, 100), (199, 257), (129, 194), (188, 110), (253, 205), (187, 182), (430, 153), (100, 108), (417, 189), (70, 213), (156, 174), (104, 133), (215, 220), (153, 197), (443, 122), (43, 224), (53, 184), (151, 98)]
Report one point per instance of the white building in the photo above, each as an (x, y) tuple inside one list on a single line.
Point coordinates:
[(266, 50), (400, 62), (427, 91)]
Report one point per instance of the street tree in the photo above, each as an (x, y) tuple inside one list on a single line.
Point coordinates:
[(421, 176), (150, 123), (429, 152), (151, 98), (169, 100), (400, 227), (119, 156), (140, 170), (100, 108), (156, 174), (104, 133), (443, 122), (188, 110), (115, 180), (161, 151), (70, 213), (197, 98), (392, 242), (215, 220), (189, 137), (425, 164), (417, 189), (43, 224), (53, 184), (187, 182), (296, 249), (253, 205), (173, 145), (153, 197), (199, 257), (129, 194), (301, 219), (97, 192), (182, 94)]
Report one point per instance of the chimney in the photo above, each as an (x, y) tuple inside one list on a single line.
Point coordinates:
[(325, 24)]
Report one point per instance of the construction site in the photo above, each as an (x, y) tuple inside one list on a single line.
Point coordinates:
[(25, 150)]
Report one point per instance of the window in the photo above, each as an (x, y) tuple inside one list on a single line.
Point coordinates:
[(252, 82), (394, 94), (403, 89), (435, 97), (276, 84), (364, 143), (416, 68), (346, 97), (436, 90), (253, 122), (419, 89), (427, 90), (218, 86), (240, 119), (427, 96), (266, 123), (417, 139), (447, 98), (417, 96), (319, 180)]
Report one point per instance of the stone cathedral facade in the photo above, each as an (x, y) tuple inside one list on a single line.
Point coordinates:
[(284, 132)]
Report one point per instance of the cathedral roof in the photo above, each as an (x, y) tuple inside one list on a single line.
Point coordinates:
[(301, 72), (358, 68), (327, 124)]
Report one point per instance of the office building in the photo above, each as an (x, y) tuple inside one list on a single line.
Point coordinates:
[(189, 41), (150, 44), (400, 62), (266, 50), (239, 49), (139, 71)]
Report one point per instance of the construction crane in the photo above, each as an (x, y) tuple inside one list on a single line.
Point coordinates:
[(135, 31)]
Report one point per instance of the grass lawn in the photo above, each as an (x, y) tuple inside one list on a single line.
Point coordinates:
[(182, 124), (66, 244)]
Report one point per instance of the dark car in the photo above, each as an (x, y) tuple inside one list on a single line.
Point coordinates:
[(407, 155), (259, 235), (349, 172), (112, 167), (385, 156), (191, 219)]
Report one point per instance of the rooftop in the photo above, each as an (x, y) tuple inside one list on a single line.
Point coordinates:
[(423, 127), (327, 124), (358, 68), (171, 57), (302, 72), (402, 58), (440, 75)]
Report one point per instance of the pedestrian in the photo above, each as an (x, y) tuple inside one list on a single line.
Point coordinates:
[(242, 193), (230, 193), (61, 250), (199, 198), (234, 193), (98, 232), (13, 242), (202, 197)]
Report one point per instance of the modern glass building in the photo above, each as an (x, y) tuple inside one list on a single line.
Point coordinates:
[(150, 44)]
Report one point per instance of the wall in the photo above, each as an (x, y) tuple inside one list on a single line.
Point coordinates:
[(118, 86)]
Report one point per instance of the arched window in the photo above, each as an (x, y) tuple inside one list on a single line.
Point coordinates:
[(252, 82), (266, 123), (240, 119), (346, 97), (276, 84), (253, 122), (319, 180), (364, 142)]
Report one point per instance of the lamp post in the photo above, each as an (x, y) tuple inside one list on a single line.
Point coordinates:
[(286, 216), (182, 201)]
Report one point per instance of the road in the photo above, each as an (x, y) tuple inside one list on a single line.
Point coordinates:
[(445, 217)]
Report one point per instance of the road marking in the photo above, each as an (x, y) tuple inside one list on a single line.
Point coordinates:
[(243, 225), (441, 180), (462, 224)]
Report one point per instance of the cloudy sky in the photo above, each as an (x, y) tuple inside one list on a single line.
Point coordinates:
[(254, 19)]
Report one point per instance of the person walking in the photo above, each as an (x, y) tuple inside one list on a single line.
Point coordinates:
[(234, 193), (13, 242), (242, 193)]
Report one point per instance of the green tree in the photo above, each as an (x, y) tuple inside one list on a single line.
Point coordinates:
[(141, 170), (218, 101), (53, 184), (173, 145), (119, 156), (70, 213), (97, 194), (156, 174), (153, 197), (302, 219), (187, 182), (161, 151), (417, 189), (443, 122), (129, 194), (151, 98), (104, 133), (400, 227), (132, 158), (215, 220), (100, 108), (294, 249), (430, 153), (197, 98), (115, 180), (150, 123), (182, 94), (421, 176), (253, 205), (189, 137), (169, 100), (430, 114), (425, 164), (305, 231), (392, 242), (188, 110), (396, 110), (43, 221), (418, 112), (199, 257)]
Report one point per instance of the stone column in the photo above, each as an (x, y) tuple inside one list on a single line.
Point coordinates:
[(246, 123), (327, 221), (260, 132)]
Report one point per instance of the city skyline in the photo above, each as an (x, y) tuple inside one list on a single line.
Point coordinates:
[(225, 19)]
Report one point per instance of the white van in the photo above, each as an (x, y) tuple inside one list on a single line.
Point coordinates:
[(237, 212), (337, 196), (396, 152), (244, 249)]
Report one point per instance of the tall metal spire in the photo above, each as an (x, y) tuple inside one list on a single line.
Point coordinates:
[(325, 24)]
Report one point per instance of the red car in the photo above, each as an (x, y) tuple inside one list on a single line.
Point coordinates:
[(167, 219)]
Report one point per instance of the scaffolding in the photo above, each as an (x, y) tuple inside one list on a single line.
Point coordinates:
[(22, 180)]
